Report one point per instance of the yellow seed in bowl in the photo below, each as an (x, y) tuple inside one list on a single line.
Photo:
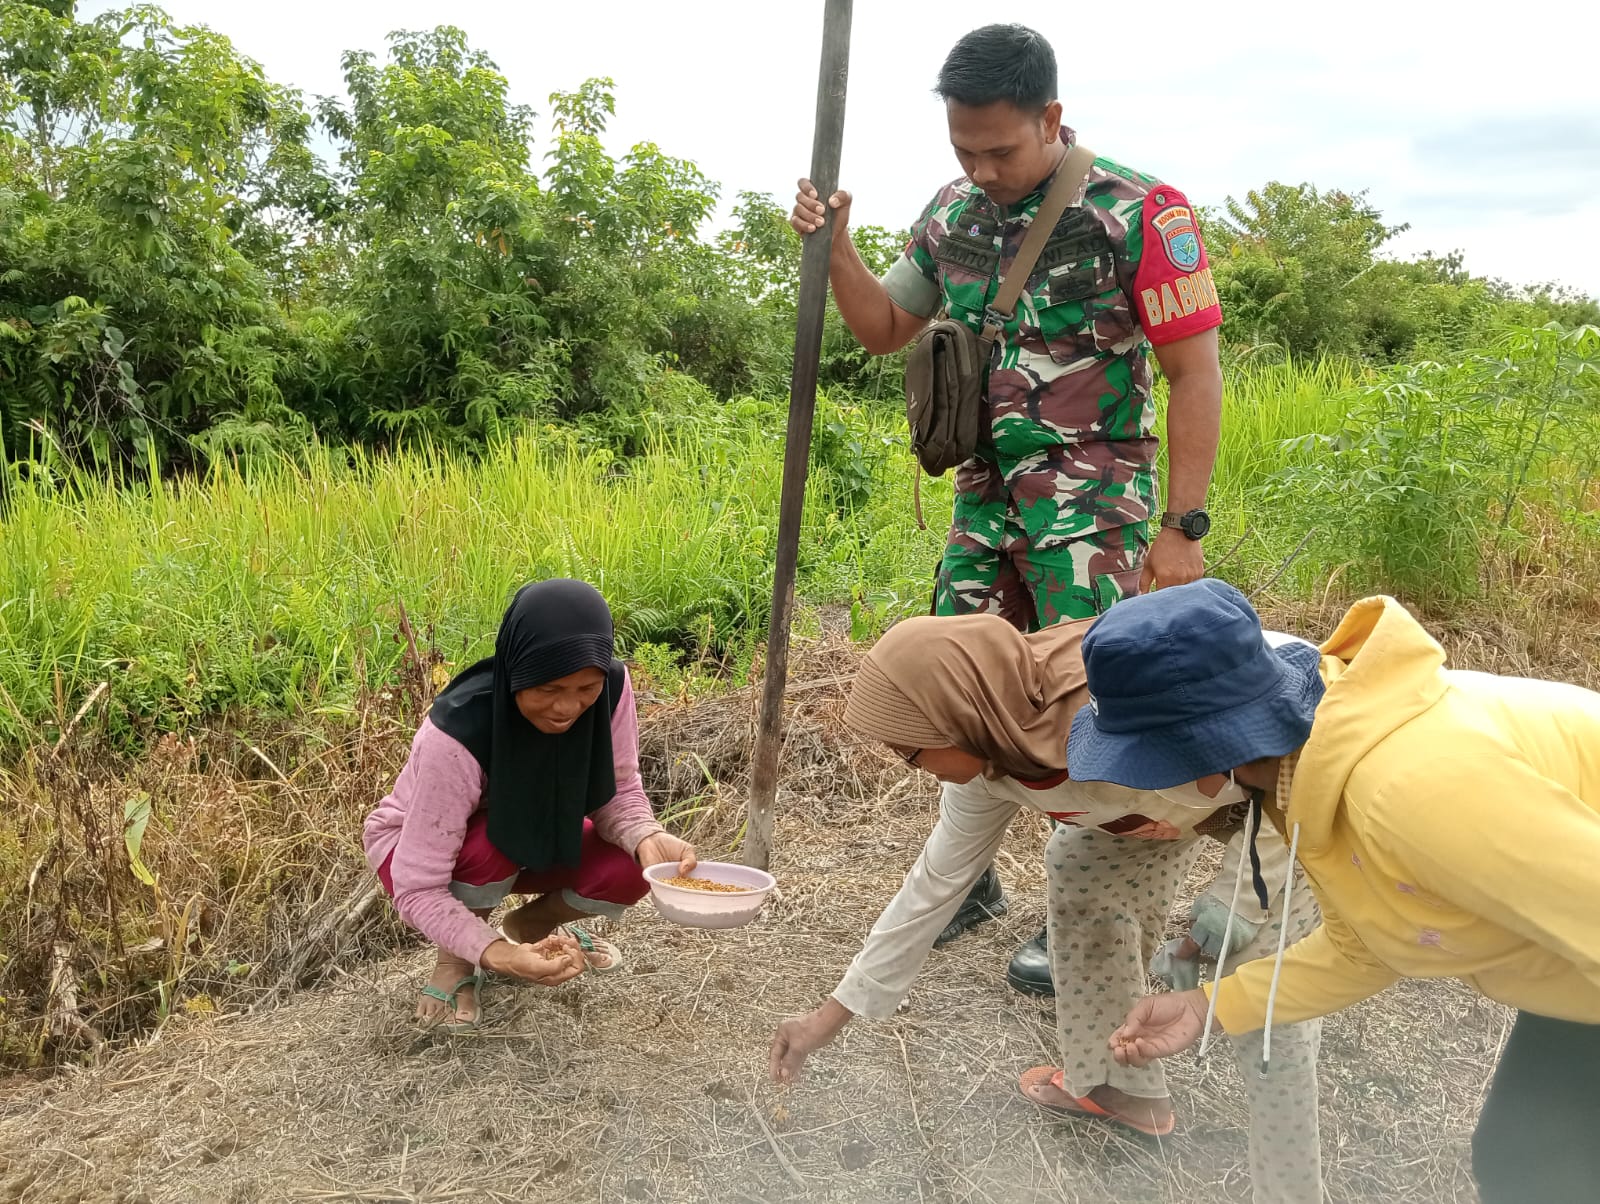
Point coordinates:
[(703, 884)]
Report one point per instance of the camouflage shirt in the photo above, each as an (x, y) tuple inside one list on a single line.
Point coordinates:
[(1068, 447)]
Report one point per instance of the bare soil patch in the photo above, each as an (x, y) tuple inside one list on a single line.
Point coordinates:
[(652, 1085)]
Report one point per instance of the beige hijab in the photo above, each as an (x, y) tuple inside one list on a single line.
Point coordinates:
[(976, 683)]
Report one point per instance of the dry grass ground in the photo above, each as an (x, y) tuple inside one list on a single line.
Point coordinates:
[(651, 1086)]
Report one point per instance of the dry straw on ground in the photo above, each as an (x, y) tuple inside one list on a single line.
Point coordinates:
[(652, 1085)]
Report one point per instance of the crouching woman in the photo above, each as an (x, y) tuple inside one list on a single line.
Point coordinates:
[(524, 778)]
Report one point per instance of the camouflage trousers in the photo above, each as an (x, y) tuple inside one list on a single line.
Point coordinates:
[(1032, 587)]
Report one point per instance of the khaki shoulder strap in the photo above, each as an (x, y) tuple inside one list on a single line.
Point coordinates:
[(1069, 183)]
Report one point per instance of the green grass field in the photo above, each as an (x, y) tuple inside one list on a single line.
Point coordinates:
[(269, 588)]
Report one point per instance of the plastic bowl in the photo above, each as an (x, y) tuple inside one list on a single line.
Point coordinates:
[(709, 908)]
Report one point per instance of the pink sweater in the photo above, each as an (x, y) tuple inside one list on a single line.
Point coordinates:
[(424, 820)]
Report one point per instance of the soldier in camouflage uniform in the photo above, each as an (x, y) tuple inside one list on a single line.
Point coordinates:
[(1053, 513)]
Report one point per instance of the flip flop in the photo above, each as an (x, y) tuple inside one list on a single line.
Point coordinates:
[(1082, 1105), (590, 943), (448, 998)]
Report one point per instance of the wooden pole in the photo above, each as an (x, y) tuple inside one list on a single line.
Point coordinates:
[(827, 141)]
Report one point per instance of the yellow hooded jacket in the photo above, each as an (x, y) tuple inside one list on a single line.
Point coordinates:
[(1450, 828)]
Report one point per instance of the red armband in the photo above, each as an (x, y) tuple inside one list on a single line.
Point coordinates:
[(1173, 291)]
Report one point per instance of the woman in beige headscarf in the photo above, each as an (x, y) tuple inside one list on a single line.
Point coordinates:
[(986, 710)]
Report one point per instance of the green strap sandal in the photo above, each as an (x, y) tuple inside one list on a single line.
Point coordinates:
[(591, 944), (448, 998)]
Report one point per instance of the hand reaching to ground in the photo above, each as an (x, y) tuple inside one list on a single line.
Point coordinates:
[(1158, 1027), (800, 1037)]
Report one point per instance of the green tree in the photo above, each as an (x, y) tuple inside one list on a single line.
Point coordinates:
[(424, 293), (177, 270), (1540, 304), (766, 252), (181, 276), (148, 174), (468, 292), (1286, 261)]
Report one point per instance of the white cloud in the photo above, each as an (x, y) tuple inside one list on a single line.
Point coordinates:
[(1478, 130)]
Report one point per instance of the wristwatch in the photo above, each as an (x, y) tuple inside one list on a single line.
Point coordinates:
[(1193, 523)]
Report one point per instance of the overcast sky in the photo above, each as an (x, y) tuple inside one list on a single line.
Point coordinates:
[(1479, 128)]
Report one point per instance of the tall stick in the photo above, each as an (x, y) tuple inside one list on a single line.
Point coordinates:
[(825, 147)]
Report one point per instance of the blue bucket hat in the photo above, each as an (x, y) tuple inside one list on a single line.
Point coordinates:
[(1182, 684)]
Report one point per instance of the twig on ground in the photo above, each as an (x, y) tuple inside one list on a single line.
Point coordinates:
[(704, 978), (55, 1149), (268, 762), (911, 1090), (772, 1140), (331, 933), (1049, 1166)]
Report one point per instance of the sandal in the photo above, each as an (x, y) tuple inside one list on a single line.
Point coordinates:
[(1082, 1105), (590, 943), (448, 998)]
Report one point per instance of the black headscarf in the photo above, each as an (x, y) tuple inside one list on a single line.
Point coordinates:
[(540, 785)]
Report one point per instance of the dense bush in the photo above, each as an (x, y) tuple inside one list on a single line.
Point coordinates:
[(1430, 473)]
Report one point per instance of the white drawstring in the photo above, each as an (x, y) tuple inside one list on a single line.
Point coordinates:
[(1227, 933), (1277, 964)]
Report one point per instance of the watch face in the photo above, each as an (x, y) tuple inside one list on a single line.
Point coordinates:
[(1196, 523)]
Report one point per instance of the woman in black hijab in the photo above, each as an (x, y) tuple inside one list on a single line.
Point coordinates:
[(524, 778)]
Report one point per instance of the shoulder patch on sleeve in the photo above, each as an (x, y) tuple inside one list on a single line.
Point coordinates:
[(1180, 237)]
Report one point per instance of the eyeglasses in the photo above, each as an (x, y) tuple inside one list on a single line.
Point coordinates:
[(910, 758)]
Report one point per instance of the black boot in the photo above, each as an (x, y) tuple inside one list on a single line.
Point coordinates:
[(1029, 971), (984, 901)]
